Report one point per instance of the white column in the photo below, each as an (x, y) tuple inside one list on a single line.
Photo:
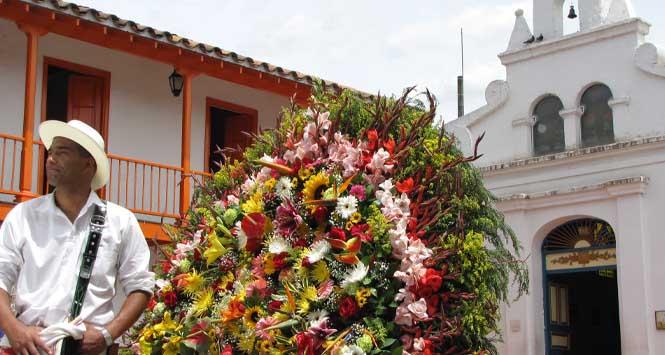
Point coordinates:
[(572, 127), (523, 133), (621, 117), (635, 311)]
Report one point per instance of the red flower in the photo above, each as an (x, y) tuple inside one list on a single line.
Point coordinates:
[(373, 137), (430, 282), (274, 306), (307, 344), (228, 350), (254, 225), (360, 231), (170, 299), (348, 307), (280, 261), (337, 233), (389, 145), (432, 305), (321, 215), (166, 266), (152, 303), (405, 186)]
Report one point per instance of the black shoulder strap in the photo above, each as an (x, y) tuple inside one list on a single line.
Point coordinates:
[(89, 255)]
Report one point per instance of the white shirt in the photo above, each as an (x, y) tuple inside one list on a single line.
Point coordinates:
[(40, 256)]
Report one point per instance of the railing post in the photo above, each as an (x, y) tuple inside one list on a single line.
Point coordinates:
[(186, 137), (25, 182)]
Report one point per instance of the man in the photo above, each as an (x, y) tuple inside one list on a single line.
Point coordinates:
[(42, 242)]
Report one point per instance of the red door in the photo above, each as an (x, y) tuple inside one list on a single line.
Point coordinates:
[(84, 100)]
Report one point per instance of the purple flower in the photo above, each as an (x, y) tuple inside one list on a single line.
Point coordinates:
[(288, 219)]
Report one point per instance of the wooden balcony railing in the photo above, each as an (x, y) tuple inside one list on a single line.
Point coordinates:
[(146, 188), (10, 163)]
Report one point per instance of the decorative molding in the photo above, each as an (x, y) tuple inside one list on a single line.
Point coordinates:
[(525, 121), (565, 157), (650, 59), (574, 195), (577, 39), (617, 101), (575, 112)]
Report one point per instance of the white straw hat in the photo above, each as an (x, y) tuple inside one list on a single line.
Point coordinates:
[(87, 137)]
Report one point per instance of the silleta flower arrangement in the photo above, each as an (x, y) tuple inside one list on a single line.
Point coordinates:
[(355, 227)]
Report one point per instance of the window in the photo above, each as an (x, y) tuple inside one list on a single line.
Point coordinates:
[(548, 127), (597, 126)]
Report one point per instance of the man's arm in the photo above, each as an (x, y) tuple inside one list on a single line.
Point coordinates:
[(21, 337), (135, 304)]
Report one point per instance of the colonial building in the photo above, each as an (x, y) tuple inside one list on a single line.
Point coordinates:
[(574, 151), (163, 103)]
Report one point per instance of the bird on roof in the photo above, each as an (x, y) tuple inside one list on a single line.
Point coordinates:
[(539, 38), (530, 40)]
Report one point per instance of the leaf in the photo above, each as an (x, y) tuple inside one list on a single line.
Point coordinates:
[(398, 350), (388, 342)]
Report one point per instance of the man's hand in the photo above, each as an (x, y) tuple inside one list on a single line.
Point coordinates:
[(93, 341), (26, 341)]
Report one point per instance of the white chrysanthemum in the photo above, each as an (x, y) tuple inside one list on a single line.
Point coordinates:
[(162, 284), (278, 245), (356, 274), (351, 350), (283, 187), (318, 251), (346, 206)]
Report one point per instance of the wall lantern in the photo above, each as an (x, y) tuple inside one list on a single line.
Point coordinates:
[(176, 82)]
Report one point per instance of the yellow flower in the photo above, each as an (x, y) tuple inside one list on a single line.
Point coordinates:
[(355, 217), (310, 293), (268, 264), (348, 225), (321, 272), (254, 204), (194, 283), (215, 249), (173, 346), (315, 186), (305, 173), (362, 295), (264, 347), (246, 344), (252, 315), (303, 306), (270, 184), (166, 325), (203, 302)]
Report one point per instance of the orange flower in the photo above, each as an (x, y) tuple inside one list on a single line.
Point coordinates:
[(234, 311)]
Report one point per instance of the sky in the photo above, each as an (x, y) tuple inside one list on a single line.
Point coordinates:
[(373, 46)]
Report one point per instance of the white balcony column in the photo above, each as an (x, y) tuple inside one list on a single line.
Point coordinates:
[(572, 127)]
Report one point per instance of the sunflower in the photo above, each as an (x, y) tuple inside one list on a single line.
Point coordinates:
[(202, 302), (315, 186), (252, 315)]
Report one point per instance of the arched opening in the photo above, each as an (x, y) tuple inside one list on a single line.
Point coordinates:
[(580, 289), (548, 136), (597, 121)]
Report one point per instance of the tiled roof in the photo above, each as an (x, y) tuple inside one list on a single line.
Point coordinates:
[(90, 14)]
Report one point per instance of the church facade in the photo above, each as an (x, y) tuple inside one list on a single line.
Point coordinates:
[(574, 151)]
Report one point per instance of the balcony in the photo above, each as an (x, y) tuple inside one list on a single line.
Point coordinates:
[(151, 190)]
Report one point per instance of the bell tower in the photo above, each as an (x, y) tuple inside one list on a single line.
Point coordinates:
[(548, 18)]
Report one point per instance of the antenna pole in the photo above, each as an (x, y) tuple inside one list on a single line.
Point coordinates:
[(460, 81)]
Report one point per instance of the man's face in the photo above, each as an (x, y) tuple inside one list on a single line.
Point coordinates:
[(68, 164)]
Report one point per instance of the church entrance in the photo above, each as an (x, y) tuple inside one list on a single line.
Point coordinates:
[(580, 289)]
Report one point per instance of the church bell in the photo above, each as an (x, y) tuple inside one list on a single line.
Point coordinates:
[(571, 13)]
